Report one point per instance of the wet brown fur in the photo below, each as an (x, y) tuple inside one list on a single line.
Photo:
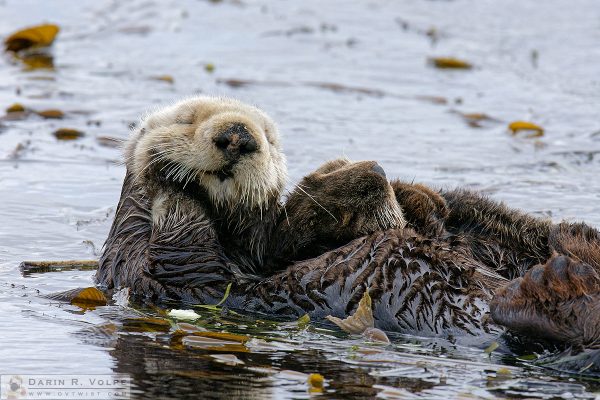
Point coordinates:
[(172, 240), (424, 208), (436, 285), (492, 241), (555, 289), (333, 205), (179, 225), (558, 301), (417, 285)]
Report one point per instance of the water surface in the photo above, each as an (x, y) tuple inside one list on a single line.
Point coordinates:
[(342, 79)]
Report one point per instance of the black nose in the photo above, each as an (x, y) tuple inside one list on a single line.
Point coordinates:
[(236, 141), (377, 169)]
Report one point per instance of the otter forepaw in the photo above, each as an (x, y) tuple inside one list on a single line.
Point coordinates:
[(424, 208), (558, 301)]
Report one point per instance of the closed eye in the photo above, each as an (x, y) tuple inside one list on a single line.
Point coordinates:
[(185, 118), (184, 121)]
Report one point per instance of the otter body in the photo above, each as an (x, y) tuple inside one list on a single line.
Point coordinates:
[(417, 285), (201, 193), (200, 209), (554, 269)]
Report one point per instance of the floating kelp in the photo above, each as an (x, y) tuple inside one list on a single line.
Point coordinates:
[(86, 298), (51, 114), (491, 347), (68, 134), (208, 343), (18, 111), (163, 78), (225, 336), (35, 36), (449, 63), (15, 108), (30, 267), (216, 306), (303, 321), (36, 59), (362, 321), (532, 130), (315, 383), (146, 324)]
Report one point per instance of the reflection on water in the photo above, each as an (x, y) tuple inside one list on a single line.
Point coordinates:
[(243, 356), (341, 79)]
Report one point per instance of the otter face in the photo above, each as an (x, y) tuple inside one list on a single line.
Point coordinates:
[(344, 200), (228, 148)]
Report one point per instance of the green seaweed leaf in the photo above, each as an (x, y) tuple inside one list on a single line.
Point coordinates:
[(215, 307), (225, 296), (491, 348), (303, 321)]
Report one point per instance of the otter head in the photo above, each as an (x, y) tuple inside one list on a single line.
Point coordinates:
[(226, 148), (340, 201)]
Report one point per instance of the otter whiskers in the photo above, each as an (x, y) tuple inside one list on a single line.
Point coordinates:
[(316, 202)]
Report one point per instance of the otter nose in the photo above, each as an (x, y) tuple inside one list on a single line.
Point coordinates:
[(236, 141), (377, 169)]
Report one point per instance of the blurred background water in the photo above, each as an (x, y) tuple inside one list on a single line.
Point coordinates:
[(340, 78)]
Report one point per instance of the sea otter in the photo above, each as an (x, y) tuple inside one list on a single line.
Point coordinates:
[(467, 248), (339, 202), (200, 204), (192, 218), (200, 209), (201, 193)]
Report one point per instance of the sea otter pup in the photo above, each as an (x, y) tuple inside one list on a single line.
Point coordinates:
[(463, 242), (339, 202)]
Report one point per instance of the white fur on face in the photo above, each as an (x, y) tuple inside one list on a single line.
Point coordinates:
[(181, 137)]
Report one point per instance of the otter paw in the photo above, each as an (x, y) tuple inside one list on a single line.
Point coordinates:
[(558, 301), (424, 208)]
